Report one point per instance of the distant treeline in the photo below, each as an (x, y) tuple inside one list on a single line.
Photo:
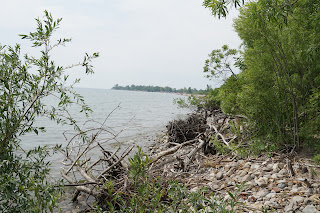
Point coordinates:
[(161, 89)]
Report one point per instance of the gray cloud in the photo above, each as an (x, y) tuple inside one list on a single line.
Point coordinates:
[(141, 42)]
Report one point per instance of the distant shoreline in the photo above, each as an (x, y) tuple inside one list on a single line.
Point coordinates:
[(142, 88), (176, 93)]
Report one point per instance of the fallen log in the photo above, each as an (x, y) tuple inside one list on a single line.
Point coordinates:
[(81, 188), (169, 151), (192, 154)]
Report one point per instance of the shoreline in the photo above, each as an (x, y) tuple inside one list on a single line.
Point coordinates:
[(281, 183), (175, 93)]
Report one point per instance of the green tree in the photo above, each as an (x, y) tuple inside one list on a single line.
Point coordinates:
[(219, 8), (221, 62), (25, 81), (279, 83)]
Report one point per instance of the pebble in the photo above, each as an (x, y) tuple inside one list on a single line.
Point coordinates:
[(297, 199), (234, 164), (275, 167), (294, 189), (270, 195), (282, 185), (310, 209), (219, 176), (247, 165), (289, 207), (262, 193), (276, 189), (267, 185), (283, 171), (254, 166), (247, 178), (267, 176), (214, 186), (262, 182), (230, 172), (195, 189)]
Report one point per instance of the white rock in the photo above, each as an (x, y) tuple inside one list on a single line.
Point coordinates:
[(212, 174), (271, 204), (195, 189), (255, 166), (275, 167), (247, 165), (249, 184), (214, 186), (227, 167), (270, 195), (267, 169), (310, 209), (282, 171), (282, 181), (267, 203), (227, 197), (243, 173), (262, 193), (257, 174), (219, 176), (230, 172), (234, 164), (246, 178), (297, 200), (275, 176), (294, 189), (289, 207), (262, 182), (282, 185), (270, 165)]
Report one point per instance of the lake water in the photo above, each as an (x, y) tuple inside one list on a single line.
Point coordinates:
[(141, 115)]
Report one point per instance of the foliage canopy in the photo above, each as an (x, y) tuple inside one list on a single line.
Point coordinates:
[(278, 86)]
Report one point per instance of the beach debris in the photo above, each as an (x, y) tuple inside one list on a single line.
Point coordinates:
[(279, 183)]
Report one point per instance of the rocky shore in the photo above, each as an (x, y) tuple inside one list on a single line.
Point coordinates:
[(276, 182), (280, 183)]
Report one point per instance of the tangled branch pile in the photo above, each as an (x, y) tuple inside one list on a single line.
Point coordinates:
[(143, 182), (180, 131)]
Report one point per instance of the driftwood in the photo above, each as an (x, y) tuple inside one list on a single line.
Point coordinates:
[(89, 166), (219, 134), (115, 164), (170, 151), (79, 187), (180, 131), (192, 154), (290, 168)]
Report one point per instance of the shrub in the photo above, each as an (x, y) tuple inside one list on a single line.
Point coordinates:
[(24, 82), (149, 194)]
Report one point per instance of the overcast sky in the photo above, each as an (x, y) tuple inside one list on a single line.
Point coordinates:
[(145, 42)]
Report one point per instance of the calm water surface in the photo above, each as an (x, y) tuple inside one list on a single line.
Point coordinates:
[(141, 115)]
